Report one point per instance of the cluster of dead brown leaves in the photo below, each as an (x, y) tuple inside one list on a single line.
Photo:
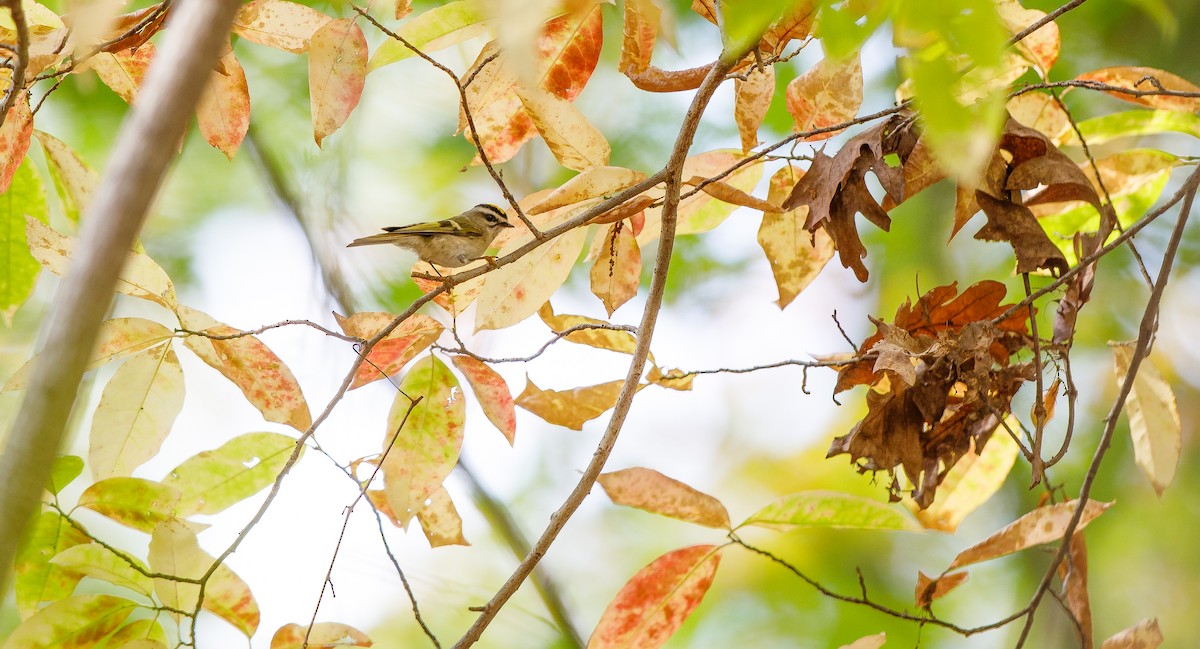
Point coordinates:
[(942, 377)]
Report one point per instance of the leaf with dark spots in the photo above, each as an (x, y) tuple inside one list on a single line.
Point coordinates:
[(1015, 224)]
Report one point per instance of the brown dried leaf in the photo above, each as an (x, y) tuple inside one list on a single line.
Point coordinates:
[(931, 589), (1143, 635), (1074, 575), (1015, 224), (751, 99), (1039, 526), (831, 92), (641, 29)]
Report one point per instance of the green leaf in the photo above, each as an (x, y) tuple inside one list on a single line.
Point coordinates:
[(66, 468), (37, 580), (72, 623), (746, 20), (18, 268), (830, 509), (213, 480), (94, 560), (439, 27), (134, 502), (143, 630), (74, 180), (1132, 123), (844, 30)]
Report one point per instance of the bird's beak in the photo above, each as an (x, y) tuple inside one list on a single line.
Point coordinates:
[(506, 224)]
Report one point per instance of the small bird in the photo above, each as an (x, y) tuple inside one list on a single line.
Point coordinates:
[(452, 242)]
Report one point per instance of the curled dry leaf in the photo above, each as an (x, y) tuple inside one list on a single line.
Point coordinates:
[(1143, 635), (831, 92), (1148, 80), (1154, 422), (976, 477), (1014, 223), (931, 589), (1042, 525), (651, 491), (127, 31), (670, 379), (751, 99), (654, 603), (641, 19), (1074, 576), (617, 271), (337, 73), (570, 408)]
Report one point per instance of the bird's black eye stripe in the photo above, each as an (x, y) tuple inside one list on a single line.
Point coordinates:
[(493, 214)]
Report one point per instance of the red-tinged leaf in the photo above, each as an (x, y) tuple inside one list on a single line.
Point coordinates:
[(1151, 80), (493, 394), (1042, 525), (174, 550), (133, 502), (124, 32), (1143, 635), (796, 255), (593, 182), (751, 99), (600, 337), (72, 623), (1041, 47), (652, 605), (457, 299), (972, 482), (280, 24), (575, 143), (387, 358), (123, 71), (140, 278), (795, 24), (725, 192), (867, 642), (96, 561), (15, 136), (36, 580), (570, 408), (379, 501), (223, 113), (324, 635), (73, 178), (515, 292), (1074, 576), (651, 491), (135, 413), (421, 451), (440, 521), (930, 589), (617, 271), (337, 72), (829, 509), (262, 377), (640, 31), (1154, 422), (117, 339), (829, 93), (211, 481)]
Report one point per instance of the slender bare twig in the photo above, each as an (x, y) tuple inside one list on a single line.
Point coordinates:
[(285, 323), (1043, 21), (117, 552), (559, 335), (1104, 87)]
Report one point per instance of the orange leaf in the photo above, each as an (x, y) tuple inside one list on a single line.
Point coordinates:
[(123, 71), (931, 589), (1143, 79), (1039, 526), (617, 270), (15, 135), (1041, 47), (223, 113), (641, 30), (829, 93), (324, 635), (651, 491), (387, 358), (280, 24), (494, 396), (337, 72), (262, 377), (1074, 575), (751, 99), (570, 408), (440, 520), (611, 339), (656, 601), (796, 255)]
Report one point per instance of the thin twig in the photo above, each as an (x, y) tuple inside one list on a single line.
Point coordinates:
[(463, 351), (285, 323)]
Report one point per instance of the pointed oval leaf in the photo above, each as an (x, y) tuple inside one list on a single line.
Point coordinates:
[(94, 560), (593, 182), (439, 27), (36, 580), (575, 143), (570, 408), (73, 178), (337, 72), (515, 292), (280, 24), (141, 277), (323, 634), (72, 623), (617, 271), (796, 255), (651, 491), (1133, 123), (829, 509), (440, 521), (972, 482), (493, 394), (133, 502), (391, 354), (1154, 422), (831, 92), (66, 468), (654, 603), (24, 199), (15, 135), (751, 99), (1143, 635), (174, 550), (211, 481), (700, 212), (421, 454), (118, 338), (223, 113), (1143, 79), (123, 71), (1042, 525), (136, 412), (267, 382), (616, 340)]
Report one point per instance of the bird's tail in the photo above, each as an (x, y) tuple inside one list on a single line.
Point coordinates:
[(374, 239)]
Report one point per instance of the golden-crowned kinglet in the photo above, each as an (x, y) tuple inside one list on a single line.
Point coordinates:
[(452, 242)]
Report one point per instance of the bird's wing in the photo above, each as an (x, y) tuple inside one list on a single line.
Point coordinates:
[(447, 227)]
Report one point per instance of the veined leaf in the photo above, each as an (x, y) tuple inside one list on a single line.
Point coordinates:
[(79, 621), (24, 199), (118, 338), (1133, 123), (796, 255), (575, 143), (1143, 635), (829, 509), (96, 561), (36, 580), (617, 270), (701, 212), (211, 481), (611, 339), (123, 71), (280, 24), (593, 182), (144, 631), (337, 72), (136, 412), (751, 99), (73, 178), (1154, 420), (133, 502), (515, 292), (1139, 78), (174, 550), (437, 28), (651, 491)]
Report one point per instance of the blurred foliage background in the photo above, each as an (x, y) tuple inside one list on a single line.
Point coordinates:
[(754, 437)]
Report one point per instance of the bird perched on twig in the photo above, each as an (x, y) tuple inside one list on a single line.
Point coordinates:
[(452, 242)]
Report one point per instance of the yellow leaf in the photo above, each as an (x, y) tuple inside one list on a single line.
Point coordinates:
[(323, 634), (611, 339), (1154, 422), (575, 143), (1042, 525), (796, 255), (617, 270), (1143, 635), (280, 24), (174, 550), (867, 642), (440, 520), (751, 99), (651, 491), (828, 93), (515, 291), (117, 339), (593, 182), (972, 481), (123, 71), (570, 408), (337, 72), (135, 413)]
